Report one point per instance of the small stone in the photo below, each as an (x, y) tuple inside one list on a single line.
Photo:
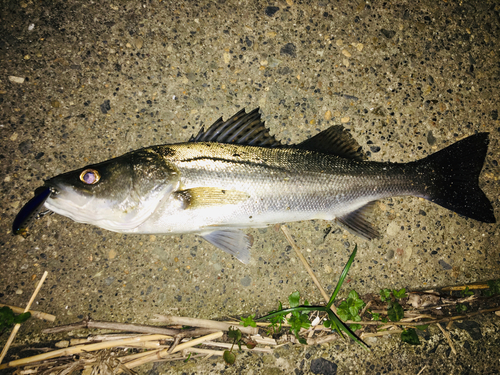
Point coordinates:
[(19, 291), (359, 47), (55, 104), (389, 34), (138, 43), (25, 147), (271, 11), (345, 120), (105, 107), (112, 254), (128, 45), (13, 137), (328, 115), (346, 53), (227, 57), (16, 79), (323, 367), (289, 49), (393, 228), (27, 57), (246, 281), (445, 265), (62, 344)]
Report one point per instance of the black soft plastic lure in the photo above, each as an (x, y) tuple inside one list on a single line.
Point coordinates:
[(30, 211)]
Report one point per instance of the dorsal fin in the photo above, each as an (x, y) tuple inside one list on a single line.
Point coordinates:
[(334, 141), (242, 129)]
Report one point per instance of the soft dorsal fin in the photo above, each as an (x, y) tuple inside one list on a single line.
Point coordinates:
[(242, 129), (334, 141)]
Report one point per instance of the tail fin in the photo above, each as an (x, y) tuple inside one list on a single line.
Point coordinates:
[(453, 178)]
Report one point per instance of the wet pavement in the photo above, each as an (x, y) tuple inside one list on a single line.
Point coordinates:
[(83, 82)]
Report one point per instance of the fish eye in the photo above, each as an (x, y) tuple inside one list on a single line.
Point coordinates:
[(90, 177)]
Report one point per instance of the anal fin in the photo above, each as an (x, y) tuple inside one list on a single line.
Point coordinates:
[(356, 222), (231, 241)]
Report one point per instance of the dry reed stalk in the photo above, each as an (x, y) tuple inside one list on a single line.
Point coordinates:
[(17, 326)]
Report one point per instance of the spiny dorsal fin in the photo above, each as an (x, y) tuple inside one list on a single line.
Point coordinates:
[(334, 141), (242, 129), (201, 197), (357, 223)]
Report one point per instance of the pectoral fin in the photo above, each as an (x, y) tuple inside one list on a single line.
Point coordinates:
[(356, 222), (202, 197), (232, 241)]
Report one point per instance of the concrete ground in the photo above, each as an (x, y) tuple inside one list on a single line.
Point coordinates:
[(93, 80)]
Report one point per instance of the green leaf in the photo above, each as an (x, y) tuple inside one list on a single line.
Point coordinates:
[(494, 286), (395, 312), (343, 311), (385, 294), (188, 357), (410, 336), (422, 327), (353, 294), (234, 334), (327, 323), (293, 299), (461, 308), (302, 341), (248, 321), (342, 278), (384, 320), (251, 344), (375, 316), (401, 293), (229, 357), (355, 327), (467, 292)]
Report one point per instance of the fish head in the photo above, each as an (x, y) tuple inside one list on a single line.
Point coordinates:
[(118, 194)]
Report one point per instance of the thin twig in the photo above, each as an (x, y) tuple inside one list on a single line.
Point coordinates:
[(34, 314), (448, 338), (204, 323), (138, 328), (80, 349), (164, 353), (291, 241), (18, 325)]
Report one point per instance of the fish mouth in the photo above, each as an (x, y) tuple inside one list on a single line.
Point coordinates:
[(32, 210)]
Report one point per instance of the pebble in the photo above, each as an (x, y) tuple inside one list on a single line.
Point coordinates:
[(13, 137), (344, 120), (138, 43), (62, 344), (393, 228), (16, 79), (328, 115), (346, 53), (246, 281), (112, 254), (19, 291)]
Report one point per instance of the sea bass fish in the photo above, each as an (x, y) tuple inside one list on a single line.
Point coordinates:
[(235, 175)]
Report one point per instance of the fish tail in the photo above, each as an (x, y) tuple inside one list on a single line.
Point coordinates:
[(453, 178)]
